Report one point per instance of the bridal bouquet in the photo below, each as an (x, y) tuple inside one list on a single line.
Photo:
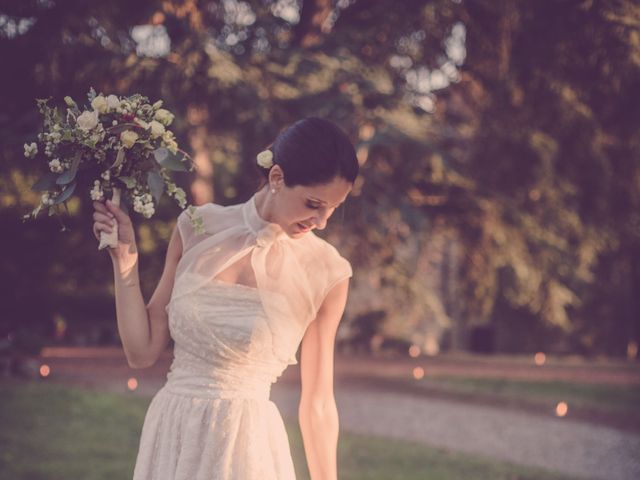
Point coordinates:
[(117, 145)]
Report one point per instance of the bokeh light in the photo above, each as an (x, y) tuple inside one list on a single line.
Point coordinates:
[(561, 409), (414, 351), (132, 384), (540, 358)]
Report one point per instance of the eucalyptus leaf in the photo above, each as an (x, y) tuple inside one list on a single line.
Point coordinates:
[(119, 158), (46, 182), (156, 184), (66, 193), (168, 160), (130, 182), (69, 175)]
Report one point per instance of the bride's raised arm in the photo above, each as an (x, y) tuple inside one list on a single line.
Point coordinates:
[(143, 329)]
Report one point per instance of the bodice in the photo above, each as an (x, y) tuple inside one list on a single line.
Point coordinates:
[(223, 343)]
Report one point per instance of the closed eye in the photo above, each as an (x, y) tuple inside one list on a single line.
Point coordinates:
[(310, 205)]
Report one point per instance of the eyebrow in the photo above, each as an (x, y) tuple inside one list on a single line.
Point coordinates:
[(322, 201)]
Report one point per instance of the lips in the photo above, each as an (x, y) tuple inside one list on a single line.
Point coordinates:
[(303, 227)]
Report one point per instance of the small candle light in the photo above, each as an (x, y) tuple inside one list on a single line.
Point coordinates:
[(132, 384), (414, 351), (561, 409), (539, 358)]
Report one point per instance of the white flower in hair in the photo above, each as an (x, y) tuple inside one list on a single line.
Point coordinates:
[(265, 159)]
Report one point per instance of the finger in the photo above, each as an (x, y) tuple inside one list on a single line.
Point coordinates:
[(99, 217), (103, 227), (100, 207), (117, 212)]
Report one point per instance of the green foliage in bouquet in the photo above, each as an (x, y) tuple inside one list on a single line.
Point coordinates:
[(115, 144)]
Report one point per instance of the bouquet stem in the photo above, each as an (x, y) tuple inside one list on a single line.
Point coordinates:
[(111, 239)]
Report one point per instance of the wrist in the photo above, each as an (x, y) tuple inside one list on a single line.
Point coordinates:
[(125, 268)]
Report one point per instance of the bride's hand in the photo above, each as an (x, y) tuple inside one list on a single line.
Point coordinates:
[(125, 254)]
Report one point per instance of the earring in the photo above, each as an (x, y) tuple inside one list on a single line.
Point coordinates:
[(273, 190)]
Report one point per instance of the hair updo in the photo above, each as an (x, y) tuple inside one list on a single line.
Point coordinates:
[(313, 151)]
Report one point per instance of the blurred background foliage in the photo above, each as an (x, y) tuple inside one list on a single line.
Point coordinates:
[(498, 207)]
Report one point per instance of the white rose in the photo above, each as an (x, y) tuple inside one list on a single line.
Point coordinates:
[(113, 102), (99, 104), (164, 116), (265, 159), (157, 129), (87, 120), (128, 138)]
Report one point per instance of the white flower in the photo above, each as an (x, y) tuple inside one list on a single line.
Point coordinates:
[(157, 129), (99, 104), (128, 138), (55, 166), (96, 192), (165, 117), (106, 175), (112, 102), (179, 194), (169, 142), (87, 120), (157, 105), (46, 199), (30, 149), (144, 204), (114, 122), (265, 159)]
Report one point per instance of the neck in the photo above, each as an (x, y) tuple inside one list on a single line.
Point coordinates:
[(264, 204)]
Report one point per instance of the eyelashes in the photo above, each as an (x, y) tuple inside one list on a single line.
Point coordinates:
[(314, 207)]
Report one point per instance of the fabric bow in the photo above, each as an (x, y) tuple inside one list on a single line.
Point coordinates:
[(268, 234)]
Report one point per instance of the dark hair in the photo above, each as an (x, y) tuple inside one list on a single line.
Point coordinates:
[(313, 151)]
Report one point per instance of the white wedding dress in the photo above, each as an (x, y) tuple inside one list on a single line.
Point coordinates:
[(213, 419)]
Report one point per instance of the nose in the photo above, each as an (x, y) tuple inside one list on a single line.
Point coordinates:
[(321, 219)]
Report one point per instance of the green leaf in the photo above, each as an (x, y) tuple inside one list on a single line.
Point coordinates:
[(69, 175), (156, 184), (47, 182), (130, 182), (168, 160), (66, 193), (119, 158)]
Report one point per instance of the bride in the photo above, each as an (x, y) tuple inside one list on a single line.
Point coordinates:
[(243, 287)]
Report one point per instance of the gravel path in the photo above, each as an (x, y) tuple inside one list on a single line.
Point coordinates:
[(561, 445)]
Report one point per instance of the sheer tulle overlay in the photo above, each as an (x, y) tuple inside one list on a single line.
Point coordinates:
[(213, 419)]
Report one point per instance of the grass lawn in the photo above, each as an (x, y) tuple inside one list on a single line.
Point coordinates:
[(617, 400), (50, 431)]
